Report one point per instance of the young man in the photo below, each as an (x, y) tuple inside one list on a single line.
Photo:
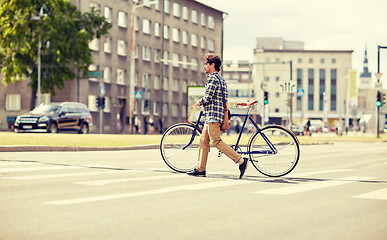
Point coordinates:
[(212, 101)]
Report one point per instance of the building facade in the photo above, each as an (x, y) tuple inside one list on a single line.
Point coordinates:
[(171, 39), (302, 84)]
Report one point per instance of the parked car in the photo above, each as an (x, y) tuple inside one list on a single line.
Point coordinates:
[(55, 117)]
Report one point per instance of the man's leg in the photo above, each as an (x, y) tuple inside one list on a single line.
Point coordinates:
[(214, 135), (204, 148)]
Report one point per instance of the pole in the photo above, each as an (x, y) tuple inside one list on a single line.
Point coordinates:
[(132, 70), (38, 91), (377, 121), (162, 70)]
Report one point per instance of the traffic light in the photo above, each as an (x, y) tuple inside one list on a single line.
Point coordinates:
[(99, 102), (265, 98), (382, 98), (103, 102), (379, 99)]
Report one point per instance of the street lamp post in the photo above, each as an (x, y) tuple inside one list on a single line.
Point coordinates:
[(38, 90), (135, 5)]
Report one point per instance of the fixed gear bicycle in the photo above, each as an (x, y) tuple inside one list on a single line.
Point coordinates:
[(273, 150)]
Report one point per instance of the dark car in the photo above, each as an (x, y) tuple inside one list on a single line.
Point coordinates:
[(55, 117)]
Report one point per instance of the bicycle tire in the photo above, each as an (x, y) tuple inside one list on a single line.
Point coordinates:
[(275, 164), (174, 150)]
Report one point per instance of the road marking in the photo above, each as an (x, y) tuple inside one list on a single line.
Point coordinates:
[(311, 186), (379, 195), (8, 170), (307, 174), (14, 163), (133, 179), (45, 176), (192, 187)]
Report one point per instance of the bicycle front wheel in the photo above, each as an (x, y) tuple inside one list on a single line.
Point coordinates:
[(180, 147), (275, 163)]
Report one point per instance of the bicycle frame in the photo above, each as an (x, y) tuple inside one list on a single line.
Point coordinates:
[(272, 150)]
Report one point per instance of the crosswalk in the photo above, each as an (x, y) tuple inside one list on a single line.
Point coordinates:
[(85, 175)]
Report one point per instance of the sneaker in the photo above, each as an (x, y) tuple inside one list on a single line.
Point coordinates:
[(197, 173), (243, 166)]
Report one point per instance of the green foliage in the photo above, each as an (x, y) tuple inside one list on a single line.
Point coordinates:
[(64, 33)]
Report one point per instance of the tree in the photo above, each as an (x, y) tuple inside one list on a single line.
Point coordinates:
[(64, 33)]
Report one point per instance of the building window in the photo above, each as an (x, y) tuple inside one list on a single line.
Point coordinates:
[(136, 23), (185, 13), (203, 19), (203, 42), (176, 9), (146, 26), (175, 60), (107, 46), (120, 76), (175, 84), (277, 79), (194, 16), (94, 44), (310, 89), (299, 60), (157, 29), (322, 89), (156, 110), (121, 48), (184, 86), (107, 74), (333, 60), (108, 14), (122, 19), (322, 60), (176, 35), (157, 4), (165, 109), (299, 86), (310, 60), (211, 22), (13, 102), (333, 89), (184, 62), (166, 32), (175, 108), (145, 80), (136, 47), (194, 64), (166, 6), (184, 37), (145, 106), (166, 83), (166, 57), (156, 82), (194, 40), (157, 55), (94, 5), (211, 44), (146, 53)]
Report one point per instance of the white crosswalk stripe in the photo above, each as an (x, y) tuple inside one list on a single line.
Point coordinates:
[(23, 169), (15, 163), (59, 175), (379, 195), (133, 179), (311, 186), (192, 187)]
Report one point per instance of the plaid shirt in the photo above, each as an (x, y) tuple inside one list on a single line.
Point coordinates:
[(213, 98)]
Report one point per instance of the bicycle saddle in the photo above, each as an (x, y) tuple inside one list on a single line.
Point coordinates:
[(247, 104)]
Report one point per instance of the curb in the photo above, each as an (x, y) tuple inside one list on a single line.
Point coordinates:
[(72, 149)]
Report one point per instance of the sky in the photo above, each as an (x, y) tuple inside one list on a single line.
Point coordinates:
[(321, 25)]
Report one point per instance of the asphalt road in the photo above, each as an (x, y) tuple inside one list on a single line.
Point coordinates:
[(337, 191)]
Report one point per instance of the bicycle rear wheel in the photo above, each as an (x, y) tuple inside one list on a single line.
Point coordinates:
[(180, 147), (280, 162)]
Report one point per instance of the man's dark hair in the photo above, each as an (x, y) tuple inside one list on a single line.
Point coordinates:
[(213, 58)]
